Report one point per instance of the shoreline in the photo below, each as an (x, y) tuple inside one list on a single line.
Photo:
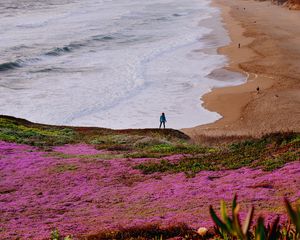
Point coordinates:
[(261, 58), (153, 65)]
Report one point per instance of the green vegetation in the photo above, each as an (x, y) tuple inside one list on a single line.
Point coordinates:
[(55, 235), (269, 152), (231, 228), (11, 130), (138, 146), (166, 149)]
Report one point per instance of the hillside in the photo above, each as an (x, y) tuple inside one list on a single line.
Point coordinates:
[(291, 4), (88, 182)]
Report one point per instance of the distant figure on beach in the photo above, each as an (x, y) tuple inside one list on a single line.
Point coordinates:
[(257, 90), (162, 120), (239, 45)]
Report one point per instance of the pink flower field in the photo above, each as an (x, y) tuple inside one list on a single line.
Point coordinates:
[(73, 189)]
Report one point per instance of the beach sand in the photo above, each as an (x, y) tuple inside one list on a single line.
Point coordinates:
[(269, 54)]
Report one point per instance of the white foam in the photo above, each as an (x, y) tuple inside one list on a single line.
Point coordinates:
[(146, 66)]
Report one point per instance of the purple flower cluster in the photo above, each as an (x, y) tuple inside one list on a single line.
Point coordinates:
[(107, 194)]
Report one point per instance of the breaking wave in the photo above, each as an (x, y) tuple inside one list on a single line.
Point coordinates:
[(10, 65)]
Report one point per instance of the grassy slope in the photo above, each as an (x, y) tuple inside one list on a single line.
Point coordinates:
[(22, 131)]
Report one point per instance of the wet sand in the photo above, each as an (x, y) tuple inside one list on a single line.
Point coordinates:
[(269, 55)]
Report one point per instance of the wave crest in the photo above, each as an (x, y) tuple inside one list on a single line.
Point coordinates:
[(10, 65)]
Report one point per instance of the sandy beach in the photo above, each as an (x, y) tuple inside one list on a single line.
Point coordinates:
[(269, 55)]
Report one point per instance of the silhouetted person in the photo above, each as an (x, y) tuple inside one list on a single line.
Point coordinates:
[(162, 120), (257, 90), (239, 45)]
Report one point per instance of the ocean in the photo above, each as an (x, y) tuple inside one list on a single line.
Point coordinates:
[(110, 63)]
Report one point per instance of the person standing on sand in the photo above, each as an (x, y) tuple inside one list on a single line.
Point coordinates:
[(162, 120)]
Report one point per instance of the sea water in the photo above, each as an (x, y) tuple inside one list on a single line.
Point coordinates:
[(110, 63)]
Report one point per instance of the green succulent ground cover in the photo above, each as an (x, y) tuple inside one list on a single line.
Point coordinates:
[(14, 131), (269, 152)]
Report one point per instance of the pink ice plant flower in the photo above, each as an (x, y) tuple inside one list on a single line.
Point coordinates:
[(100, 194)]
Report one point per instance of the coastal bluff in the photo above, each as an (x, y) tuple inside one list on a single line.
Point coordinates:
[(291, 4)]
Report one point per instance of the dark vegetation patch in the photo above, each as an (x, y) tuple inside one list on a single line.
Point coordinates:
[(7, 190), (262, 185), (61, 168), (147, 232), (129, 180)]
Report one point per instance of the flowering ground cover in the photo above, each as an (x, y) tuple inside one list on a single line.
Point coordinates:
[(99, 180)]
